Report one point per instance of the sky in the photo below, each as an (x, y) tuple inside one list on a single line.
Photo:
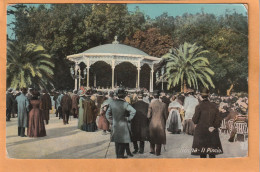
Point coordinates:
[(154, 10)]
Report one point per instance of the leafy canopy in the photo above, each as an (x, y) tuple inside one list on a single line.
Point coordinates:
[(28, 66), (187, 64)]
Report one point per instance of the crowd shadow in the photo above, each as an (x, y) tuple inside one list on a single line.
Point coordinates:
[(11, 123), (51, 133), (73, 151)]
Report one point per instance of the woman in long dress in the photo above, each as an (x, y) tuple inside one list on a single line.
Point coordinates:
[(36, 127), (81, 111), (173, 123)]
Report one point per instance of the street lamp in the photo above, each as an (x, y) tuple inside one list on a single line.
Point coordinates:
[(77, 76)]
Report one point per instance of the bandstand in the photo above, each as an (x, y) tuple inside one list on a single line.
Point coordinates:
[(114, 54)]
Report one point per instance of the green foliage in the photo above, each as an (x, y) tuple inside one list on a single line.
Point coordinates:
[(151, 42), (65, 29), (28, 66), (187, 64)]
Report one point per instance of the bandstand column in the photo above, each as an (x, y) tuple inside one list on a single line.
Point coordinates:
[(138, 77), (88, 76), (113, 73), (95, 80), (138, 74), (76, 72), (151, 79), (79, 79)]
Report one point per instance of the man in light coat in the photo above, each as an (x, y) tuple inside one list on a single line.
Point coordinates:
[(120, 113), (23, 108), (58, 105)]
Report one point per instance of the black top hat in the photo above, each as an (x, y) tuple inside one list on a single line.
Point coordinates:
[(156, 93), (204, 92)]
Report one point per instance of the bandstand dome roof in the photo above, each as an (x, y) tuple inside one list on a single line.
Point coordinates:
[(115, 49)]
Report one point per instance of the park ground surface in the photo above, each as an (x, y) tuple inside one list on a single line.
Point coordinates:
[(68, 142)]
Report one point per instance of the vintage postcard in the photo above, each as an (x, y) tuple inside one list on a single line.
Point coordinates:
[(131, 82)]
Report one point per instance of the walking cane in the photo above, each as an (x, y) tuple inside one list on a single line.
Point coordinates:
[(107, 148), (108, 145)]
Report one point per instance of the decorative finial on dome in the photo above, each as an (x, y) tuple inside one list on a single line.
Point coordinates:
[(115, 41)]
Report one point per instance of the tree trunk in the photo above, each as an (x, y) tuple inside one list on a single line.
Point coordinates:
[(183, 87), (229, 90)]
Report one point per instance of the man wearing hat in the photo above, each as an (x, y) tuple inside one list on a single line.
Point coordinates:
[(157, 115), (66, 104), (23, 109), (45, 106), (75, 102), (139, 124), (9, 103), (190, 103), (120, 113), (206, 139), (58, 105)]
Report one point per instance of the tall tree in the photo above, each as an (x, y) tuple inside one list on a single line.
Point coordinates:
[(187, 65), (151, 42), (29, 66)]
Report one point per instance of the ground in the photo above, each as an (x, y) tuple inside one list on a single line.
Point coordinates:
[(68, 142)]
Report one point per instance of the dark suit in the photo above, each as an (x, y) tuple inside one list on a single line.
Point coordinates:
[(9, 105), (206, 142), (66, 104), (45, 107), (139, 125), (122, 113)]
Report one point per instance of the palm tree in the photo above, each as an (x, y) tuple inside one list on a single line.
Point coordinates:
[(28, 66), (186, 65)]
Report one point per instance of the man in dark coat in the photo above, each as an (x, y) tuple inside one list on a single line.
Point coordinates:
[(45, 106), (9, 103), (157, 115), (75, 103), (66, 104), (120, 113), (206, 139), (55, 97), (165, 99), (139, 124)]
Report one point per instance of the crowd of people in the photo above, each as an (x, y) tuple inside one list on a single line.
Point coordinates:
[(132, 117)]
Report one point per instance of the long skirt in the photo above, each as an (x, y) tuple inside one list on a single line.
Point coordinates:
[(91, 127), (188, 126), (36, 126), (173, 123)]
